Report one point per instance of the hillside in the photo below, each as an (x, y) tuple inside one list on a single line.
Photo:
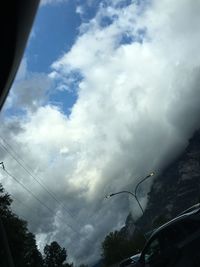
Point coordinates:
[(174, 190)]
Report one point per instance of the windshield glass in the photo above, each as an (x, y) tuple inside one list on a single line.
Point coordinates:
[(99, 139)]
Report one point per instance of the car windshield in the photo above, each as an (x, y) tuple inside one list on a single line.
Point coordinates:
[(100, 131)]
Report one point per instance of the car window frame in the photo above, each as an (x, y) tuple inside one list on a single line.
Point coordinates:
[(152, 239)]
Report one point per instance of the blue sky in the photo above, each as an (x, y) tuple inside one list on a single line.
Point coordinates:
[(54, 32)]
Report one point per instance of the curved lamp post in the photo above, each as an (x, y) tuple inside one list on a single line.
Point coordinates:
[(135, 192), (128, 192)]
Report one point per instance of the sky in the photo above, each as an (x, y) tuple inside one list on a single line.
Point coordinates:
[(107, 91)]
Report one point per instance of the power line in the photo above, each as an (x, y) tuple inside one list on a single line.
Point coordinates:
[(22, 203), (29, 191), (35, 197), (39, 181), (36, 179), (19, 215)]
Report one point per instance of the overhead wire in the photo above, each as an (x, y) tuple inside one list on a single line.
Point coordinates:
[(25, 219), (22, 203), (38, 180), (36, 198), (19, 214), (14, 155)]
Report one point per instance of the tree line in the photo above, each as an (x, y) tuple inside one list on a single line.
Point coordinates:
[(118, 246), (24, 250), (16, 239)]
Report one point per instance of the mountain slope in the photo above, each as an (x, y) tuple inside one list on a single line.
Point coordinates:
[(174, 190)]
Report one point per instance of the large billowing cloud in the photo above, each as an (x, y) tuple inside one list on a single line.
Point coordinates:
[(138, 103)]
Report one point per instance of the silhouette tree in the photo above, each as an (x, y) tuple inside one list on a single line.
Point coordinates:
[(5, 202), (32, 255), (68, 264), (54, 255), (83, 265), (117, 247), (21, 242)]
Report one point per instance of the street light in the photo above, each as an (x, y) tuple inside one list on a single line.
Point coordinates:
[(138, 184), (128, 192), (148, 176), (135, 192)]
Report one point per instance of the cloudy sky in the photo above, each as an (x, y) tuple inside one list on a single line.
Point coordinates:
[(107, 91)]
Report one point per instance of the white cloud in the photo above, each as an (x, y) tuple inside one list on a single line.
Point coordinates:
[(79, 10), (137, 105), (51, 2)]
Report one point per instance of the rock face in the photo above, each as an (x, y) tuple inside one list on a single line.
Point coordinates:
[(129, 229), (174, 190)]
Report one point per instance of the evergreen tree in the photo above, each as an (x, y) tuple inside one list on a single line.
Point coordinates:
[(83, 265), (5, 202), (33, 257), (54, 255), (68, 264), (116, 247), (21, 242)]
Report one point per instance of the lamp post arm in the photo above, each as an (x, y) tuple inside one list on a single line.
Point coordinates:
[(128, 192), (121, 192), (136, 188)]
